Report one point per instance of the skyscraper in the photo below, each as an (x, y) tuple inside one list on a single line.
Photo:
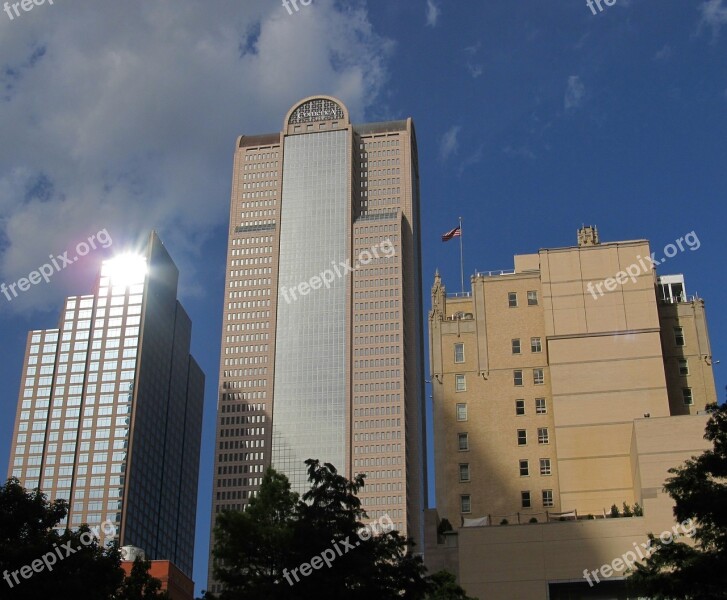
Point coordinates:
[(110, 409), (321, 344)]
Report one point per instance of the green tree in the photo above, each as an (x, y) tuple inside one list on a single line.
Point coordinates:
[(282, 547), (140, 585), (57, 565), (679, 571), (443, 586), (253, 547)]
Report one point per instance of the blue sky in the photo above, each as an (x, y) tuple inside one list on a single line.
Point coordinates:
[(532, 119)]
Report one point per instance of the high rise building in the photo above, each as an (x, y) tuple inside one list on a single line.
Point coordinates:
[(110, 409), (322, 352), (560, 388)]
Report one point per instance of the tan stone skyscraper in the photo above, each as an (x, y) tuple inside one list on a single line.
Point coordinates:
[(322, 352)]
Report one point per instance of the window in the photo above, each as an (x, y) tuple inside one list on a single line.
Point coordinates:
[(535, 345), (465, 503), (545, 466), (459, 353), (464, 472), (461, 412), (679, 336), (512, 299), (538, 377), (683, 366), (540, 407), (522, 437), (519, 407), (543, 435), (516, 346), (460, 384), (524, 468), (532, 298), (547, 498), (464, 441), (517, 377), (687, 395), (525, 499)]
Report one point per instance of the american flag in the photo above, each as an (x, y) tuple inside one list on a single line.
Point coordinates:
[(456, 232)]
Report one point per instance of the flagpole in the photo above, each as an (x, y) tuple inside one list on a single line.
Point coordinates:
[(461, 255)]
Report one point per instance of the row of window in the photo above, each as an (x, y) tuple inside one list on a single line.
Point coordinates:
[(525, 500), (460, 380), (512, 300), (541, 408), (545, 467), (543, 436)]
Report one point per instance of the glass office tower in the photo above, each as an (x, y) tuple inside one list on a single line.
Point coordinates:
[(321, 343), (110, 409)]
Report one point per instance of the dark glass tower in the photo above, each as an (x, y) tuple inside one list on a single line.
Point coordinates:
[(110, 409)]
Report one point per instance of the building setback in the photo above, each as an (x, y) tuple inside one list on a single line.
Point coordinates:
[(554, 399), (110, 409), (322, 350)]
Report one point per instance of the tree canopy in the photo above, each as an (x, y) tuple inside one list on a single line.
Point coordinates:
[(37, 561), (320, 545)]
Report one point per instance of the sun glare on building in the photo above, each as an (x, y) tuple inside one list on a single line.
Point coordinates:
[(125, 270)]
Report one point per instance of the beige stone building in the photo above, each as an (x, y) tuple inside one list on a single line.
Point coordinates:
[(560, 388), (322, 343)]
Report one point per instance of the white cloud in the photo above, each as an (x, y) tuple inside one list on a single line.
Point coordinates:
[(433, 12), (449, 143), (574, 92), (714, 15), (124, 115), (475, 70), (664, 53)]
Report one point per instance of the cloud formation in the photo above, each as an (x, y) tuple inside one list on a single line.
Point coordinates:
[(449, 143), (574, 93), (124, 115), (713, 15), (433, 12)]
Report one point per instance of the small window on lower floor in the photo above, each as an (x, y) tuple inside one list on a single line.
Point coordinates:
[(465, 503), (519, 407), (461, 412), (460, 383), (525, 499), (464, 441), (464, 472), (547, 498), (683, 366), (545, 466), (687, 396), (540, 406), (524, 468), (522, 437)]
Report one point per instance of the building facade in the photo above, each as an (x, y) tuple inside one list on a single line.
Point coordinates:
[(557, 390), (110, 409), (322, 349)]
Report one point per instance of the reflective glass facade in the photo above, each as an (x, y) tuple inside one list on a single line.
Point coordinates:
[(110, 412), (310, 359)]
